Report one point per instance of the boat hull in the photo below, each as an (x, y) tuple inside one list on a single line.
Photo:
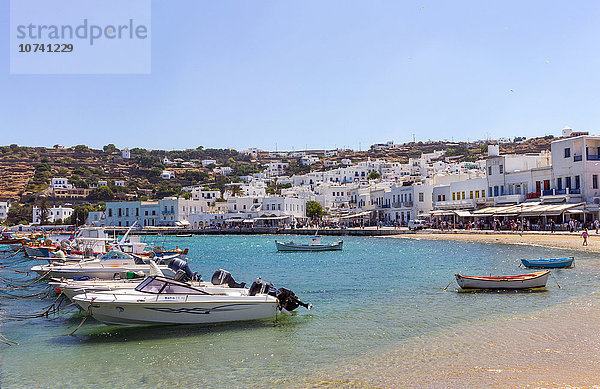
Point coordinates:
[(39, 251), (105, 273), (525, 281), (282, 246), (174, 312), (555, 263)]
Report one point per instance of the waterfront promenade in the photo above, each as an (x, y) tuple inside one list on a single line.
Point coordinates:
[(559, 239)]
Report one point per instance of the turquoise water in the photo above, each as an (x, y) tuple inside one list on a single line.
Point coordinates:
[(371, 297)]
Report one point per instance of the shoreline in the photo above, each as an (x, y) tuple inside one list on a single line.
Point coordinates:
[(563, 241)]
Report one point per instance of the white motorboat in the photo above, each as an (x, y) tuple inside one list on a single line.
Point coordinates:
[(314, 245), (109, 265), (221, 282), (160, 300)]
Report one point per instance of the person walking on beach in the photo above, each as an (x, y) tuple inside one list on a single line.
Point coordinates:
[(596, 224), (585, 236)]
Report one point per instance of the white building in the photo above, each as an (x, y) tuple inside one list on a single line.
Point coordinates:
[(4, 210), (54, 214), (125, 213), (509, 176), (330, 153), (125, 153), (207, 162), (119, 183), (309, 160), (465, 194), (576, 168), (224, 170), (96, 219), (167, 174), (211, 195), (176, 211), (252, 152), (60, 183), (244, 204), (285, 205), (275, 169)]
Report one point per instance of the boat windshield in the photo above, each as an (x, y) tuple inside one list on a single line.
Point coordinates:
[(116, 255), (159, 285)]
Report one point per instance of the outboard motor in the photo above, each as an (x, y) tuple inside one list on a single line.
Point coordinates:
[(223, 277), (177, 264), (261, 287), (181, 276), (287, 299)]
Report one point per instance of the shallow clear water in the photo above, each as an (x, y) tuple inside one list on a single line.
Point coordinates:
[(375, 296)]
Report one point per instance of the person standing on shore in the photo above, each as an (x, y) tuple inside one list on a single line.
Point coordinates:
[(596, 224), (552, 226), (585, 236)]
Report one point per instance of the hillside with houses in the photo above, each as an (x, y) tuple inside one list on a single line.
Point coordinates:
[(388, 183)]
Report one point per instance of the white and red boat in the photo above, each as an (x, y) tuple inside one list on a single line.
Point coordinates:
[(521, 281)]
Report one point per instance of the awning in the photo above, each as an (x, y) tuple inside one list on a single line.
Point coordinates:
[(463, 214), (530, 209), (357, 215), (273, 217)]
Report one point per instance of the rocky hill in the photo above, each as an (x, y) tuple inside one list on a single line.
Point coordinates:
[(25, 172)]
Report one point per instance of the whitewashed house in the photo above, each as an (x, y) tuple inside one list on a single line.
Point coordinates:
[(60, 183), (125, 213), (167, 174), (4, 205), (199, 193), (54, 214), (275, 169), (208, 162), (576, 168)]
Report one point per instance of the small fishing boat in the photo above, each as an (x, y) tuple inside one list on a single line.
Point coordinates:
[(184, 235), (7, 237), (522, 281), (548, 263), (314, 245), (160, 300)]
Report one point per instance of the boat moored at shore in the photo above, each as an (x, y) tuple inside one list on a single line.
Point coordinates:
[(314, 245), (549, 263), (522, 281)]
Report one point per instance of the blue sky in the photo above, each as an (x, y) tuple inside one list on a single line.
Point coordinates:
[(328, 74)]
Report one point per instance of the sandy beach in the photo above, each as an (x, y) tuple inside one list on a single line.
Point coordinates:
[(562, 240), (555, 347)]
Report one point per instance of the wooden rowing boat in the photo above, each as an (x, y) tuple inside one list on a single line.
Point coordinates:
[(548, 263), (521, 281)]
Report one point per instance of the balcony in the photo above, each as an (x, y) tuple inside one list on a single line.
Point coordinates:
[(577, 158), (591, 157), (533, 195), (561, 194)]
